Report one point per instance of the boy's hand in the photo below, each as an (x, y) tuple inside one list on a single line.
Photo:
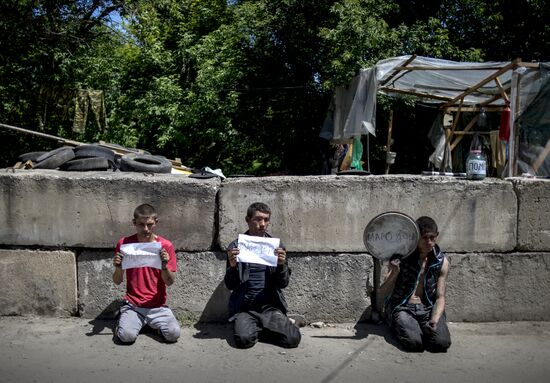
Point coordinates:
[(117, 260), (394, 265), (164, 258), (232, 256), (432, 325), (281, 255)]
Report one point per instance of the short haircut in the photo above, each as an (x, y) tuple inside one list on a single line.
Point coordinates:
[(145, 210), (426, 225), (258, 206)]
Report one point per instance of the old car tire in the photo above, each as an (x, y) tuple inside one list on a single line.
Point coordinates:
[(54, 158), (30, 156), (87, 164), (146, 163), (85, 151)]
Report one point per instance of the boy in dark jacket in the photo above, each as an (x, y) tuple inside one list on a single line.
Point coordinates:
[(257, 305)]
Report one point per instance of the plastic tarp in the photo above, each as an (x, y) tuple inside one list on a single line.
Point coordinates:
[(450, 82), (534, 127), (352, 111)]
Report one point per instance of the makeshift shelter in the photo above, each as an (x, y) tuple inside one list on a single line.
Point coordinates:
[(522, 141)]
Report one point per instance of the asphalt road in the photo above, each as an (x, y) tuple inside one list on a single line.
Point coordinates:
[(78, 350)]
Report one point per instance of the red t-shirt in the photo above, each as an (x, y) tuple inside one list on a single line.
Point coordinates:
[(144, 285)]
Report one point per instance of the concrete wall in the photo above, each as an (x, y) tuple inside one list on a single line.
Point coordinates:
[(329, 213), (497, 233), (95, 209)]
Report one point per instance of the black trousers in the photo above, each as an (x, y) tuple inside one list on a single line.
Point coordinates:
[(269, 325), (410, 325)]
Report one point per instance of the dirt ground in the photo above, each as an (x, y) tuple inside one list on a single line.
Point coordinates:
[(37, 349)]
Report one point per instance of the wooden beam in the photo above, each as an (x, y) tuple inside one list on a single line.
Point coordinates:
[(469, 133), (473, 88), (388, 146), (418, 94), (467, 128), (449, 134), (542, 156), (395, 70), (419, 67), (535, 65), (474, 109), (502, 91)]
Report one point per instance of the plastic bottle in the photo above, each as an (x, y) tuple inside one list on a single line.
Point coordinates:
[(476, 165)]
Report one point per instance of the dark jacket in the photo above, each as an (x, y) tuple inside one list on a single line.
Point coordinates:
[(408, 275), (276, 279)]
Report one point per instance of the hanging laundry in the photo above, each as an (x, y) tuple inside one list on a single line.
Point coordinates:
[(85, 100)]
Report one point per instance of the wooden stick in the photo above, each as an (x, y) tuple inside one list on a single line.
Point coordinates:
[(390, 128), (502, 91), (395, 70), (413, 93), (474, 108), (467, 128), (542, 156), (449, 134)]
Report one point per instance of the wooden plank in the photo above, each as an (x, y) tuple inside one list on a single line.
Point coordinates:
[(425, 95), (395, 71), (502, 91), (420, 67), (388, 145), (467, 128), (474, 108), (468, 133), (542, 156)]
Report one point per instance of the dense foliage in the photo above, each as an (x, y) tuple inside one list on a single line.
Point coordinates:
[(240, 85)]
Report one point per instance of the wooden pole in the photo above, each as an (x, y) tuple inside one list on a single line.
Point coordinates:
[(542, 156), (388, 145)]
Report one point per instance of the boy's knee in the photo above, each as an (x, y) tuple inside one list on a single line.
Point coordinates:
[(439, 345), (172, 333), (245, 341), (412, 345), (126, 335), (293, 340)]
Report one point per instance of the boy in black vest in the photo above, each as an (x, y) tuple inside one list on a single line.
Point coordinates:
[(416, 307)]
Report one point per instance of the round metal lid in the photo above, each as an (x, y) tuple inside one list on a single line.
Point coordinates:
[(391, 233)]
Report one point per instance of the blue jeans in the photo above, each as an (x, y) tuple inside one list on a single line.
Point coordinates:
[(410, 325), (133, 318)]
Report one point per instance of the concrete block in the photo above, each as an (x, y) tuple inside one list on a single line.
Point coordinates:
[(330, 213), (533, 213), (95, 209), (499, 287), (330, 287), (199, 292), (37, 282), (98, 296)]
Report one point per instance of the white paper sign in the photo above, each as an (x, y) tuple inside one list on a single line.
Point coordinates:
[(259, 250), (143, 254)]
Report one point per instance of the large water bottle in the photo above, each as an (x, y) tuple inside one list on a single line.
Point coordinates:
[(476, 163)]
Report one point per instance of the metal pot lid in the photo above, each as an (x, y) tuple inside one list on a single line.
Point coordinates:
[(391, 233)]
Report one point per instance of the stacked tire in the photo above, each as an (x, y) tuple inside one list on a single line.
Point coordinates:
[(96, 158)]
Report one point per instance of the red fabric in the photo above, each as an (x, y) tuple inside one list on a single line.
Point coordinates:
[(504, 131), (144, 285)]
